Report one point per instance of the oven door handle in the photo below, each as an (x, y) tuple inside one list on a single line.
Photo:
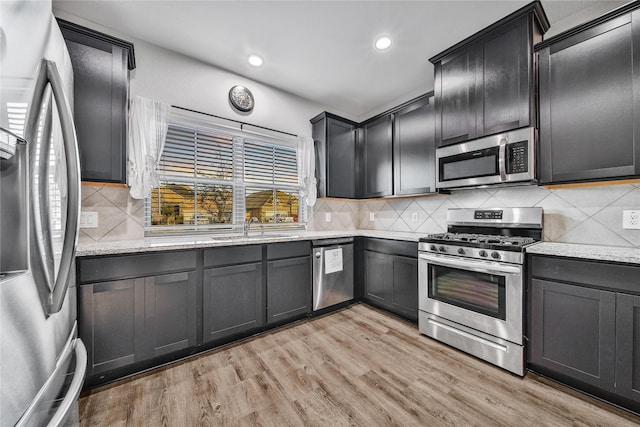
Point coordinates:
[(479, 266)]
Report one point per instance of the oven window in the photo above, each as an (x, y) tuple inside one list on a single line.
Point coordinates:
[(470, 165), (480, 292)]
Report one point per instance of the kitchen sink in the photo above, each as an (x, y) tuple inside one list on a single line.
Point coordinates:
[(266, 236), (168, 241)]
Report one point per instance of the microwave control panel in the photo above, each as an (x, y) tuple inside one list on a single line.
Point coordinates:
[(517, 157)]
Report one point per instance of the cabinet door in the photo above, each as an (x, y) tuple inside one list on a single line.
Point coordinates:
[(100, 107), (111, 321), (378, 278), (505, 78), (170, 312), (405, 287), (589, 106), (233, 300), (414, 149), (628, 346), (341, 159), (455, 87), (377, 158), (573, 331), (288, 288)]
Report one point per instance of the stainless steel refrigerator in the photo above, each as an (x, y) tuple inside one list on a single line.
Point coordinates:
[(42, 361)]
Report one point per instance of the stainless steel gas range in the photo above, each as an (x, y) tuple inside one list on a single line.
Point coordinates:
[(471, 281)]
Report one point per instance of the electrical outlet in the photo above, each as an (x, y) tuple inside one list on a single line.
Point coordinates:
[(88, 219), (372, 216), (327, 216), (414, 217), (631, 220)]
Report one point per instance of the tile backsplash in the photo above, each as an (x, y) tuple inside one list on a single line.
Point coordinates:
[(589, 215), (119, 216)]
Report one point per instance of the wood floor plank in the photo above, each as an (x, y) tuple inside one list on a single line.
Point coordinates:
[(355, 367)]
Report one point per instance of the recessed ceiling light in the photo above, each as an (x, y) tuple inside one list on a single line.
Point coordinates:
[(255, 60), (383, 42)]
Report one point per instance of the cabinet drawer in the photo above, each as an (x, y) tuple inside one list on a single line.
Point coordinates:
[(590, 273), (392, 247), (130, 266), (288, 250), (229, 255)]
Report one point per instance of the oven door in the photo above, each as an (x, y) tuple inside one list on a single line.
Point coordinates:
[(483, 295)]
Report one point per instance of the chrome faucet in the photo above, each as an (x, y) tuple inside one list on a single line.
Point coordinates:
[(247, 226)]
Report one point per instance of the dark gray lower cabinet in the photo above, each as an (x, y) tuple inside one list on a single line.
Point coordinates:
[(136, 307), (126, 321), (573, 331), (111, 323), (170, 312), (232, 300), (288, 288), (584, 325), (288, 280), (391, 276), (628, 346)]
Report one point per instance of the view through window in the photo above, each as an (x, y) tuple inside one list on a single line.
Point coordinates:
[(215, 179)]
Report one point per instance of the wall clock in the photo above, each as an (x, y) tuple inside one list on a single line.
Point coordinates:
[(241, 98)]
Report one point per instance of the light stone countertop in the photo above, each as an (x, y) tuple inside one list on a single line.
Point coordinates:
[(154, 244), (592, 252)]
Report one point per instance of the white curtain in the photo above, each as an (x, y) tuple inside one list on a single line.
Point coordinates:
[(148, 124), (306, 170)]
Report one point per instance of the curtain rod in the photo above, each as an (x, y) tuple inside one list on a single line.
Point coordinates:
[(232, 120)]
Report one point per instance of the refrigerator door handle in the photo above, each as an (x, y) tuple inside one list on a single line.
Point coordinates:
[(74, 388), (54, 296)]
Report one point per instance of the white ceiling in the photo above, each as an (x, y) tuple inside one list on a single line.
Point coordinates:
[(319, 50)]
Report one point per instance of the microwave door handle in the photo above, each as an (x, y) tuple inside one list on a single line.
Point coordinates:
[(72, 159), (502, 159), (478, 266)]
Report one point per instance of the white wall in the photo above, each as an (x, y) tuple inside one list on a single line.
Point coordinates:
[(170, 77)]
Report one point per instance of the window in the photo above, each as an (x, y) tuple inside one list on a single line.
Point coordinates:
[(214, 177)]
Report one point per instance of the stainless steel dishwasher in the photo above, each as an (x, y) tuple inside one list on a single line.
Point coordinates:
[(332, 272)]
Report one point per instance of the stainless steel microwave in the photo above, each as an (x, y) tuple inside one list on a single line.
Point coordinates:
[(505, 158)]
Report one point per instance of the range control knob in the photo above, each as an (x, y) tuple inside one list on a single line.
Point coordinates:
[(482, 253), (495, 255), (433, 248), (442, 249), (461, 251)]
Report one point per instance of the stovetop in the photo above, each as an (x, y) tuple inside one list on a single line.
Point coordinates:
[(484, 241)]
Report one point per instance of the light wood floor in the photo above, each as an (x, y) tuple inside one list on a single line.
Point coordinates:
[(356, 367)]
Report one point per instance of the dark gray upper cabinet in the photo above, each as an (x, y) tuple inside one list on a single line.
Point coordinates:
[(505, 93), (336, 164), (584, 325), (414, 148), (101, 65), (455, 89), (485, 84), (377, 158), (589, 80)]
